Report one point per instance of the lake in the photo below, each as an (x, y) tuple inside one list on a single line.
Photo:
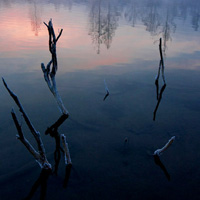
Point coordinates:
[(106, 45)]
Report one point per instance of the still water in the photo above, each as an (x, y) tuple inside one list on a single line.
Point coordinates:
[(111, 142)]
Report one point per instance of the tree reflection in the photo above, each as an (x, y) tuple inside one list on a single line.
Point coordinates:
[(103, 23), (195, 11), (131, 13), (159, 16), (168, 27), (35, 13), (151, 18)]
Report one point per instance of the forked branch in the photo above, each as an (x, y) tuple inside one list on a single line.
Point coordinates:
[(49, 75), (51, 82), (40, 156)]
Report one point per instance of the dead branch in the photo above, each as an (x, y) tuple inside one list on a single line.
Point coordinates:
[(49, 76), (66, 150), (51, 82), (53, 131), (40, 156), (164, 148)]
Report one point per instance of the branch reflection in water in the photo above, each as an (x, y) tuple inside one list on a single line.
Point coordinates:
[(67, 175), (159, 97), (160, 164), (44, 175), (159, 93), (103, 23), (41, 181), (107, 90)]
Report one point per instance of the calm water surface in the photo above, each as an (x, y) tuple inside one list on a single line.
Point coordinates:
[(118, 41)]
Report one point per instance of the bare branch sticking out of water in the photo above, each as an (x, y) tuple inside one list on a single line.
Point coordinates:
[(167, 145), (107, 90), (49, 75), (51, 82), (53, 131), (53, 88), (39, 156), (66, 150)]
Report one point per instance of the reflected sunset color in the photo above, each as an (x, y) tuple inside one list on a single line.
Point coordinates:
[(98, 32), (128, 73)]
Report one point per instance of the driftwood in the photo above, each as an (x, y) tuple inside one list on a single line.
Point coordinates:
[(53, 132), (158, 152), (66, 149), (39, 155), (49, 76)]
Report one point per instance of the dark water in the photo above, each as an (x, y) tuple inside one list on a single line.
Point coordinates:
[(111, 142)]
